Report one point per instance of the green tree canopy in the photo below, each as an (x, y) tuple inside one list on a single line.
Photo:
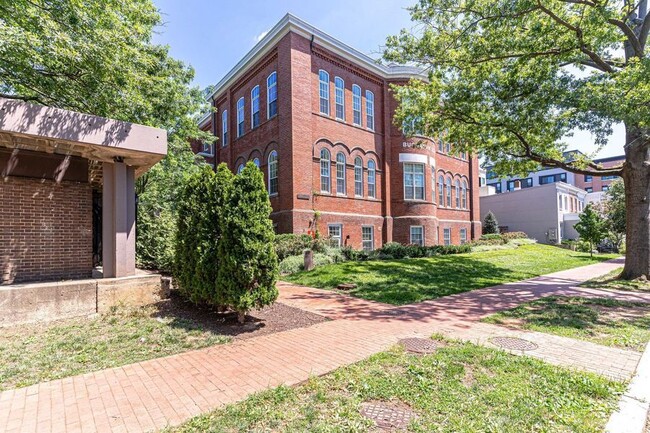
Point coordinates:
[(591, 227), (512, 79)]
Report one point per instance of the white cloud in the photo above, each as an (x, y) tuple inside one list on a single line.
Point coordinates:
[(261, 36)]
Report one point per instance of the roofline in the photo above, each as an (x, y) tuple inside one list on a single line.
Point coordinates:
[(291, 23), (610, 158)]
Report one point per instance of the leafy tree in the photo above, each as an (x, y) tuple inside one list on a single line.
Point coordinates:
[(490, 224), (591, 227), (512, 78), (614, 210), (248, 269)]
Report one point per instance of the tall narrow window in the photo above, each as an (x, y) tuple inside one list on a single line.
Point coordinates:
[(272, 95), (340, 173), (324, 91), (372, 189), (325, 170), (273, 173), (370, 110), (441, 191), (463, 236), (240, 168), (335, 232), (356, 104), (256, 161), (413, 181), (457, 192), (464, 194), (417, 235), (224, 128), (339, 97), (240, 117), (255, 107), (367, 238), (448, 191), (358, 177), (446, 236)]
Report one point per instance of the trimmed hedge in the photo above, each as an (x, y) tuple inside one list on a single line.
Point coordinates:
[(394, 250)]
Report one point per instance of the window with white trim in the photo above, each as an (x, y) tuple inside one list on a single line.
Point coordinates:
[(358, 177), (441, 190), (464, 194), (448, 191), (324, 91), (335, 233), (463, 236), (339, 97), (413, 181), (255, 107), (273, 173), (367, 238), (340, 173), (356, 105), (324, 170), (207, 148), (416, 235), (370, 110), (224, 128), (240, 117), (272, 95), (457, 192), (372, 182), (446, 236)]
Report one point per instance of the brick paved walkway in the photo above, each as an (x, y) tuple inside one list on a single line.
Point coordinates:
[(153, 394)]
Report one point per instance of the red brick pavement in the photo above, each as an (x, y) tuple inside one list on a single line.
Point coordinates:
[(153, 394)]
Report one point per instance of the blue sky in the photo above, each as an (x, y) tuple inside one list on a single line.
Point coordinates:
[(213, 35)]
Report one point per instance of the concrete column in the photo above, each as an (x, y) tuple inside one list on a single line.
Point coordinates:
[(118, 220)]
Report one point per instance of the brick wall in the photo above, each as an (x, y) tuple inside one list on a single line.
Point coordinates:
[(45, 230)]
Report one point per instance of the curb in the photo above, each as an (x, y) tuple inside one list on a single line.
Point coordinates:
[(634, 406)]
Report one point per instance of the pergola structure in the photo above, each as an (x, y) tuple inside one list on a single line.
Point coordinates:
[(52, 162)]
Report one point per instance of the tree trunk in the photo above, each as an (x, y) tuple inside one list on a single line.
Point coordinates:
[(636, 175)]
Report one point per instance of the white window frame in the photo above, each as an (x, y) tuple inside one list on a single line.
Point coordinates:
[(339, 238), (240, 168), (421, 235), (368, 244), (271, 94), (372, 179), (324, 92), (224, 128), (273, 173), (448, 192), (241, 103), (441, 190), (339, 98), (409, 171), (358, 177), (457, 188), (356, 105), (325, 171), (340, 174), (446, 236), (370, 110), (463, 236), (255, 106), (464, 198)]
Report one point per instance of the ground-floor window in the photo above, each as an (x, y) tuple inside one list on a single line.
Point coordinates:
[(367, 238), (463, 236), (446, 236), (417, 235), (335, 232)]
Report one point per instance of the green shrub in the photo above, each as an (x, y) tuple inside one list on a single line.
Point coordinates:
[(583, 246), (490, 241), (291, 244), (514, 235), (491, 236), (293, 264)]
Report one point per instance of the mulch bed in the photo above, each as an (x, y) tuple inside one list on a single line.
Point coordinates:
[(275, 318)]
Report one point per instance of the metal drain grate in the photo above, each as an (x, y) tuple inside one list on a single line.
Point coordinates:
[(418, 345), (513, 343), (387, 416)]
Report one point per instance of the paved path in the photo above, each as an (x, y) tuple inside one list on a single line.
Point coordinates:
[(153, 394)]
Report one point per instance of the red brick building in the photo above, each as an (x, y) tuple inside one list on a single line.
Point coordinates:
[(316, 116), (600, 183)]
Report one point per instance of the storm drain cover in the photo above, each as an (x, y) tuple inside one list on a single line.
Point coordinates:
[(418, 345), (513, 343), (387, 416)]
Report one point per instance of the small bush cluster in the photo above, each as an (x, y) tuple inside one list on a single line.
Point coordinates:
[(295, 263), (394, 250), (514, 235), (289, 244)]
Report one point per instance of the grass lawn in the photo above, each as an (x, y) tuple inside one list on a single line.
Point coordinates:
[(36, 353), (603, 321), (461, 388), (406, 281), (611, 281)]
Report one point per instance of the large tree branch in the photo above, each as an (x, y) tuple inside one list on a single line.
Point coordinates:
[(632, 38), (645, 30)]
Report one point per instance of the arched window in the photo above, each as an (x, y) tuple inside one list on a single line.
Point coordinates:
[(356, 105), (448, 191), (325, 170), (224, 128), (372, 190), (324, 91), (358, 177), (370, 110), (340, 173), (339, 97), (273, 173), (256, 161), (464, 194), (240, 168), (240, 117), (457, 192), (441, 191), (272, 95), (255, 107)]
